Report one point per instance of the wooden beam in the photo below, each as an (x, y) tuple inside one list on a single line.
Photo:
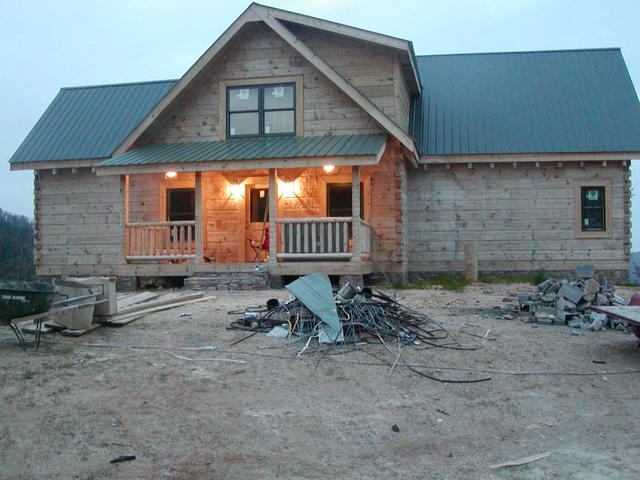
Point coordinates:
[(198, 216), (216, 166), (46, 165), (355, 212), (125, 217), (367, 105), (273, 214)]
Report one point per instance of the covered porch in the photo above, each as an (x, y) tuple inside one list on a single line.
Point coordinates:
[(292, 205), (275, 217)]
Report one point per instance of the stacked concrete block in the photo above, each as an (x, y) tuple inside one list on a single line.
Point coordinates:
[(567, 301)]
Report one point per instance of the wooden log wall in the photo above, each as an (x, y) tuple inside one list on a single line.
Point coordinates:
[(79, 221), (388, 194), (520, 219)]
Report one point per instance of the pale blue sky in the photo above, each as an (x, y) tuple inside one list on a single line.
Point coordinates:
[(46, 45)]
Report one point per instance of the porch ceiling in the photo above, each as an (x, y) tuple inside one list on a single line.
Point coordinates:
[(263, 148)]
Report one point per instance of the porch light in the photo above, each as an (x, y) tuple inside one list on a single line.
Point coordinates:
[(328, 168), (235, 191), (287, 189), (171, 175)]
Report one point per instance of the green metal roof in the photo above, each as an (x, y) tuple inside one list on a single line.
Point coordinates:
[(523, 102), (89, 122), (526, 102), (250, 149)]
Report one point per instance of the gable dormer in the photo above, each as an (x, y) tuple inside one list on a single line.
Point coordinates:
[(333, 79)]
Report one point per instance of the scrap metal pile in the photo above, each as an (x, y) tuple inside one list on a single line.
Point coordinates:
[(349, 318), (568, 301)]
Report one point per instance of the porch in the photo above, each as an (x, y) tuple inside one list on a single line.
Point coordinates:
[(187, 222)]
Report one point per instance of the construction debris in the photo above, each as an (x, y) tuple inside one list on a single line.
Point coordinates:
[(568, 302), (347, 319)]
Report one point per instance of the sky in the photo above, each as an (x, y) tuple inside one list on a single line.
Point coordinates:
[(49, 44)]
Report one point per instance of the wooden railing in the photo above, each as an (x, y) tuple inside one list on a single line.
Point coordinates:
[(160, 240), (320, 238), (366, 232)]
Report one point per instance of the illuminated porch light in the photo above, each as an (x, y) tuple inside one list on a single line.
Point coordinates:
[(171, 175), (235, 191), (328, 168), (287, 189)]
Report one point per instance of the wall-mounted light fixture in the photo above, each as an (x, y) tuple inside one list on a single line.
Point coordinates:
[(287, 189), (236, 191), (171, 175), (328, 168)]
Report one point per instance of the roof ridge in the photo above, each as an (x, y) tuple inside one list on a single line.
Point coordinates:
[(125, 84), (517, 52)]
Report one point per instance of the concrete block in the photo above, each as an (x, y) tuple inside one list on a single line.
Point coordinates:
[(546, 309), (523, 297), (545, 318), (591, 287), (571, 293), (549, 297)]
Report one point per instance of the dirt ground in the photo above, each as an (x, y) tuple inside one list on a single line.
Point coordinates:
[(68, 409)]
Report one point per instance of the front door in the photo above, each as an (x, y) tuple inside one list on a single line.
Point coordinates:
[(257, 224)]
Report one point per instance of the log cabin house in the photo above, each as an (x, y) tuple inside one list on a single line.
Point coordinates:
[(304, 145)]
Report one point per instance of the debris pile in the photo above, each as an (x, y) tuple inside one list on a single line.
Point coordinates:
[(568, 301), (348, 318)]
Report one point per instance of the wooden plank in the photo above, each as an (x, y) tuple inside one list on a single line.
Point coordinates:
[(136, 299), (123, 319), (162, 301)]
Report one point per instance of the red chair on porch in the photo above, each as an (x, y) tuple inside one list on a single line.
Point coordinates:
[(260, 249)]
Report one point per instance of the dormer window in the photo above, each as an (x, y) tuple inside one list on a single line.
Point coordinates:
[(261, 110)]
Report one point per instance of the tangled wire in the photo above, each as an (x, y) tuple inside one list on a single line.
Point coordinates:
[(369, 317)]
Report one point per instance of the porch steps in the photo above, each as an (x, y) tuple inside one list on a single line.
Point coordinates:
[(227, 281)]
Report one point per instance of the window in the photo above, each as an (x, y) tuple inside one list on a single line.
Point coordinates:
[(181, 204), (258, 211), (592, 201), (339, 200), (261, 110)]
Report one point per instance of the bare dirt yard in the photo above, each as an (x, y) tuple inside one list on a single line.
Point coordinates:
[(69, 408)]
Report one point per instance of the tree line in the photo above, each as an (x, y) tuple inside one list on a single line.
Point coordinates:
[(16, 247)]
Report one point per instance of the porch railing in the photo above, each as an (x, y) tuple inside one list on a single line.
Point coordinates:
[(366, 231), (320, 238), (160, 240)]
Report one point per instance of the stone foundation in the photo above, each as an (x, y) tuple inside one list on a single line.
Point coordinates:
[(228, 281), (613, 276)]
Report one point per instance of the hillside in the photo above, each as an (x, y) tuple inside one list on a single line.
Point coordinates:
[(16, 247)]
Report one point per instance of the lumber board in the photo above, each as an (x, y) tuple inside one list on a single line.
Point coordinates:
[(135, 299), (158, 303), (121, 320)]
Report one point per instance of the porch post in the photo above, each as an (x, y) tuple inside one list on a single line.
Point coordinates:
[(198, 218), (273, 212), (355, 211), (125, 231)]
